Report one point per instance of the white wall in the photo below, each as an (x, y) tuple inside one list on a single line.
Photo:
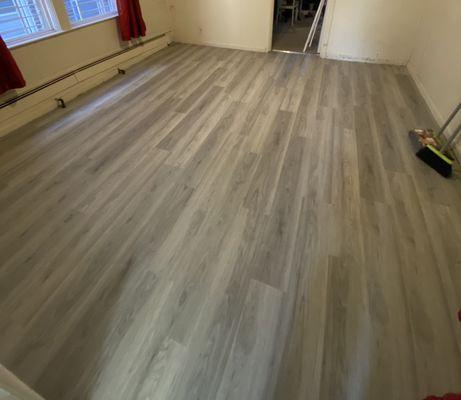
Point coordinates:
[(381, 31), (435, 64), (241, 24)]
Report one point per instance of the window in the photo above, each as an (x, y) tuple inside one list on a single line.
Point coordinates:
[(23, 20), (85, 11)]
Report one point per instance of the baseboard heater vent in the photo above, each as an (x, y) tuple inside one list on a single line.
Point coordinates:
[(27, 93)]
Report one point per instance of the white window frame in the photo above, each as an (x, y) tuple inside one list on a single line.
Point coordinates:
[(59, 21), (50, 18), (93, 20)]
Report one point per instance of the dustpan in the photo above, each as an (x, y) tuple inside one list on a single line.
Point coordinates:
[(432, 151)]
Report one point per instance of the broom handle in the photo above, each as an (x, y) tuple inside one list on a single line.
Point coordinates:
[(451, 139), (450, 118)]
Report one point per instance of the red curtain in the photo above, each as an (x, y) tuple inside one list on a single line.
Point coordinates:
[(10, 75), (130, 19)]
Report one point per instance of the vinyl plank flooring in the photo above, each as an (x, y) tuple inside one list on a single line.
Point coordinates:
[(256, 228), (250, 358)]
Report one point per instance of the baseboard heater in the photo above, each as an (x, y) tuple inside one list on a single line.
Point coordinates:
[(15, 99)]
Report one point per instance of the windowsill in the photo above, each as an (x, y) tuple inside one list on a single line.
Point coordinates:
[(26, 41), (61, 32)]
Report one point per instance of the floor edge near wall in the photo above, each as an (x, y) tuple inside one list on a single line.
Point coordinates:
[(231, 46), (293, 52)]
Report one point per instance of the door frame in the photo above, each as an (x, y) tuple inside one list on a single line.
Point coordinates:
[(324, 34), (326, 28)]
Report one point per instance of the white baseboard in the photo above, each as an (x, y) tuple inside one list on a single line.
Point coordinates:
[(369, 60), (42, 102), (225, 46)]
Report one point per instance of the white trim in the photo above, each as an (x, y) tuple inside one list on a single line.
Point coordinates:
[(326, 28), (225, 45), (32, 39), (49, 16), (60, 32), (270, 34), (58, 27), (292, 52), (344, 57), (324, 33)]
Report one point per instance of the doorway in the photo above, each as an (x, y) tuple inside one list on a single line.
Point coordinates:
[(293, 21)]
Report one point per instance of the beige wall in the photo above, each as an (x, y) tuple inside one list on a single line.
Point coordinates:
[(362, 30), (240, 24), (436, 61), (380, 31), (43, 60)]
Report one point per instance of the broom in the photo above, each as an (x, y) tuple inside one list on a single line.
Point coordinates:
[(428, 147)]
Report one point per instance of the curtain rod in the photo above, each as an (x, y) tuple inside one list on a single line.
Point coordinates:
[(27, 93)]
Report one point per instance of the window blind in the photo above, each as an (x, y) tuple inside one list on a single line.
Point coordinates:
[(84, 11), (24, 19)]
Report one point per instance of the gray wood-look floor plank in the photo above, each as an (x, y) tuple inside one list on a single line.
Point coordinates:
[(221, 224)]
